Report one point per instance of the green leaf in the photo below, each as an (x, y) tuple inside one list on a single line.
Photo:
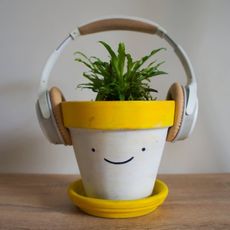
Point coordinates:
[(121, 58), (109, 49), (84, 62), (140, 62), (129, 65), (83, 55)]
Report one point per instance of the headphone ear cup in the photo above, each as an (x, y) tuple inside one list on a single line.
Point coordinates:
[(56, 98), (176, 93)]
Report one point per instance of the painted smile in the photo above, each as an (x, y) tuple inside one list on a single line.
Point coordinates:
[(118, 162)]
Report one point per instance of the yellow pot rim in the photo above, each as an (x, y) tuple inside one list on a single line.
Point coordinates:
[(117, 208), (110, 115)]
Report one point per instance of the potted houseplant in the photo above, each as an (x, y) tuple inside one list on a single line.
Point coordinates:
[(119, 138)]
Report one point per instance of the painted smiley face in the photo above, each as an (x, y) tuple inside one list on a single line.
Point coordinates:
[(118, 162), (114, 163)]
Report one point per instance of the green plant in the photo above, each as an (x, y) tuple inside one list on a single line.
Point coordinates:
[(121, 78)]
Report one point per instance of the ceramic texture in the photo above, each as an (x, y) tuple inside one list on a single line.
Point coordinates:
[(118, 164)]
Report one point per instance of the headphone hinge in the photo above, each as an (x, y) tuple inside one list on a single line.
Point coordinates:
[(75, 33)]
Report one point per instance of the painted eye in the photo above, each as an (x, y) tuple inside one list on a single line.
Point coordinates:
[(93, 149), (143, 149)]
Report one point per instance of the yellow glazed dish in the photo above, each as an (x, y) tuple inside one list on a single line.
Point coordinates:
[(117, 208)]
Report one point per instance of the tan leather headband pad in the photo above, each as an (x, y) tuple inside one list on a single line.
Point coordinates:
[(117, 24)]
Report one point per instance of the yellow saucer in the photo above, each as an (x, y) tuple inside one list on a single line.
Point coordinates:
[(117, 208)]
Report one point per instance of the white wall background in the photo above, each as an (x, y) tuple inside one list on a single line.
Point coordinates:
[(30, 30)]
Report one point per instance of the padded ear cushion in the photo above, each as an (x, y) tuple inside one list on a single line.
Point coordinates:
[(176, 93), (56, 97)]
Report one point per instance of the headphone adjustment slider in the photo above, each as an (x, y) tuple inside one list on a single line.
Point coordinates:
[(75, 33), (161, 32)]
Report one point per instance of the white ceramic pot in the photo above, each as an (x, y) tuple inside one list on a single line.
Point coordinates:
[(118, 145), (118, 165)]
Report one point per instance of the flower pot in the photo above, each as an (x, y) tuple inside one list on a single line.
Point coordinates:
[(118, 145)]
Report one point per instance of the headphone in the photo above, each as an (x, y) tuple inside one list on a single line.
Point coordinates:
[(48, 105)]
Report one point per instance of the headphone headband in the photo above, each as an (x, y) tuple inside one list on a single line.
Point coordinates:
[(120, 23)]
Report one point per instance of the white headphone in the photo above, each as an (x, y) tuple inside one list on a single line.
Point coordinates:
[(186, 102)]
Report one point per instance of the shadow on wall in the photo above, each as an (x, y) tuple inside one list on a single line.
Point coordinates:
[(20, 143)]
